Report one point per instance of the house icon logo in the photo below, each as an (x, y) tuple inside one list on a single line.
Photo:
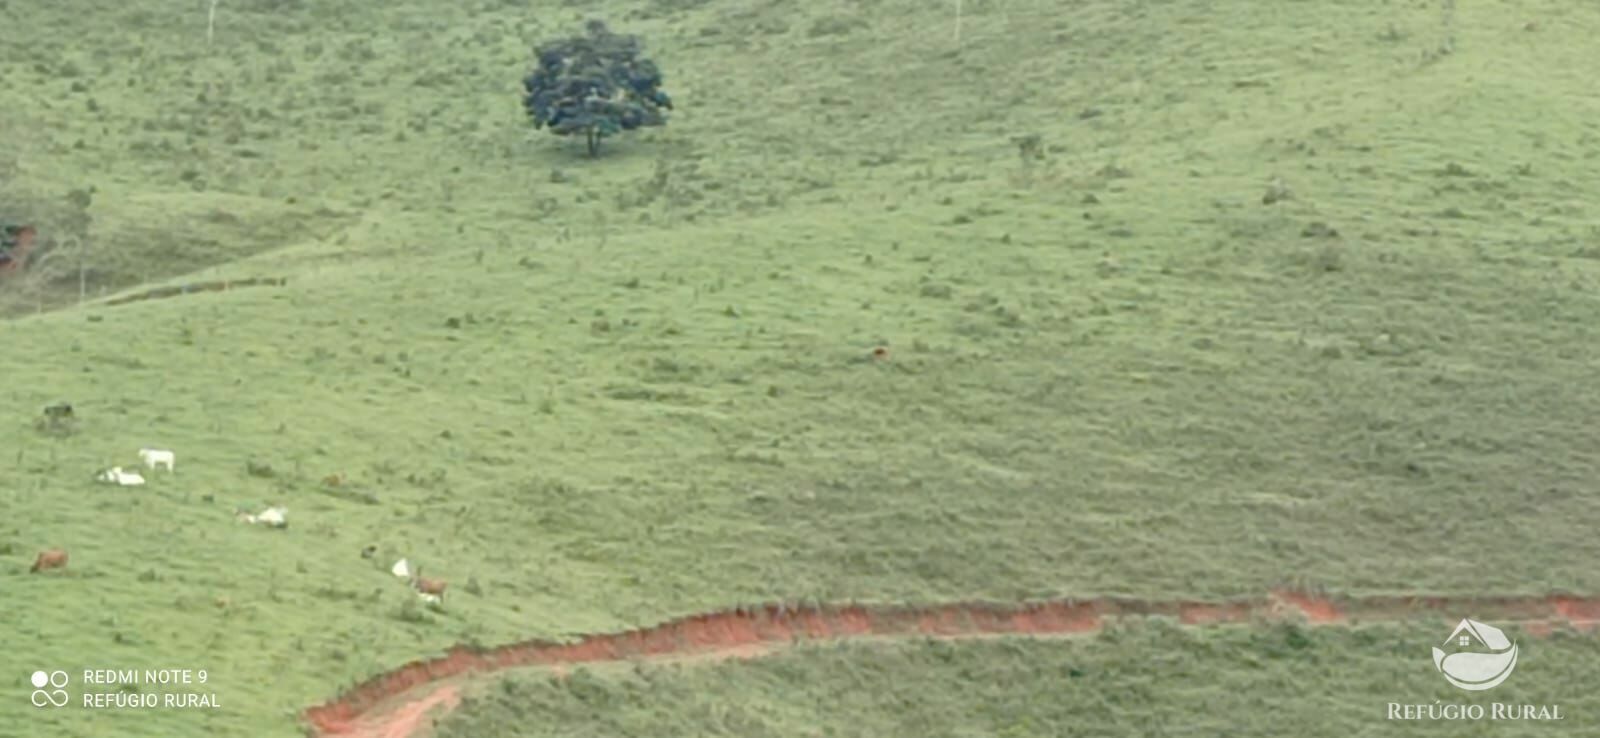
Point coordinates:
[(1481, 657)]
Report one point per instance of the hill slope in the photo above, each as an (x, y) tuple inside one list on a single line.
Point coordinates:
[(595, 394)]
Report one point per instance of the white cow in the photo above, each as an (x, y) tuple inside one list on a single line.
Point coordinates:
[(116, 475), (275, 517), (272, 517), (155, 458)]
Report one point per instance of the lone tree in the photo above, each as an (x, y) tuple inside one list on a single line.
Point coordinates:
[(597, 84)]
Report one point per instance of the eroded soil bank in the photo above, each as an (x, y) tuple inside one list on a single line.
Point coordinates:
[(396, 704)]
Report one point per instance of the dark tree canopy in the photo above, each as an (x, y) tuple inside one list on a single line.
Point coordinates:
[(597, 84), (15, 242), (10, 234)]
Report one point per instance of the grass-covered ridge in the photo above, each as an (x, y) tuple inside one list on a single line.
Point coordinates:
[(1142, 680), (603, 394)]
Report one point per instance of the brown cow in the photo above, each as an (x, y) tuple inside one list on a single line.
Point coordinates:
[(426, 586), (54, 558)]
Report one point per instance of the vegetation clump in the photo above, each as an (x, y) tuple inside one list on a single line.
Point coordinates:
[(16, 241), (597, 84)]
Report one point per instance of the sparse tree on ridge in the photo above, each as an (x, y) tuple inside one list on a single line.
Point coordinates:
[(596, 84)]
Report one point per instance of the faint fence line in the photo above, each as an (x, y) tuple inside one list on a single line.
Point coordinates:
[(218, 285)]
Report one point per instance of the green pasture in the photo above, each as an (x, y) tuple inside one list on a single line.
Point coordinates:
[(1180, 299), (1145, 679)]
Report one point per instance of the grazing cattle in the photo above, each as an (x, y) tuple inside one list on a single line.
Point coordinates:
[(54, 558), (116, 475), (155, 457), (423, 585), (272, 517)]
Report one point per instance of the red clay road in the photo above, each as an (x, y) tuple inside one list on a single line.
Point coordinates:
[(397, 704)]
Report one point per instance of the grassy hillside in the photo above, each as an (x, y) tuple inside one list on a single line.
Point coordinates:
[(600, 393), (1144, 680)]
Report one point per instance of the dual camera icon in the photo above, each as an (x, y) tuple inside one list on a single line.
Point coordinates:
[(56, 696)]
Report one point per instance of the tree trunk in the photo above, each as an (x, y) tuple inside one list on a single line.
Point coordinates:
[(594, 142)]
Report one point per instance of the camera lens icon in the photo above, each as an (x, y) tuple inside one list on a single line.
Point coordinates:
[(56, 696)]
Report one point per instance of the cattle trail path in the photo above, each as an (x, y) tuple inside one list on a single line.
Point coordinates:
[(403, 703)]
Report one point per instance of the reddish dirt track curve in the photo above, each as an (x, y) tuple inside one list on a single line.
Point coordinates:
[(397, 704)]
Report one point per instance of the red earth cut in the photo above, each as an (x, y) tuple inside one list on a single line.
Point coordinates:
[(397, 704)]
